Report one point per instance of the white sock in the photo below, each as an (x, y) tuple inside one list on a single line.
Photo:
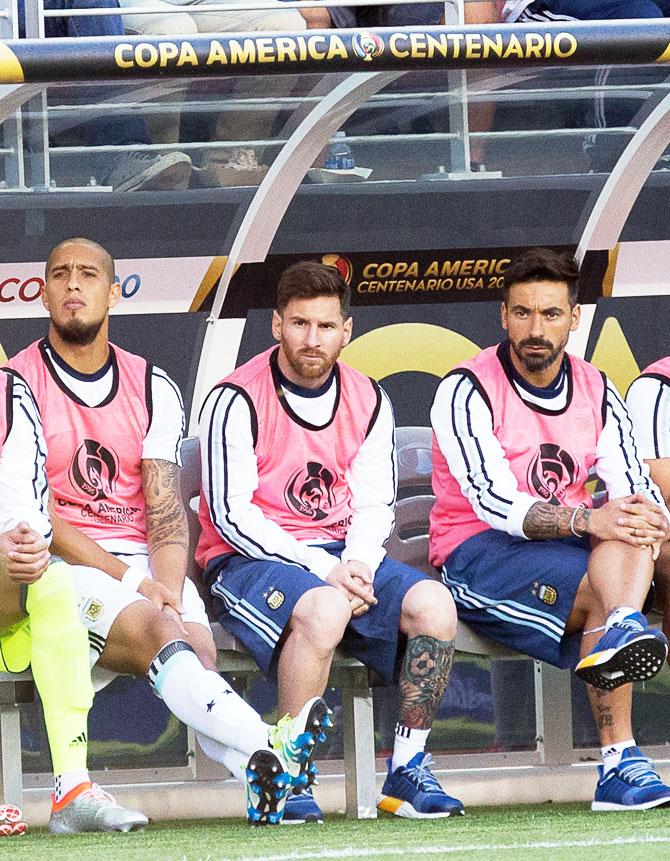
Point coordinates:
[(234, 760), (612, 753), (618, 614), (408, 742), (204, 700), (64, 783)]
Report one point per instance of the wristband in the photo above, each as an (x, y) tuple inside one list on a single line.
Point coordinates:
[(572, 521), (133, 577)]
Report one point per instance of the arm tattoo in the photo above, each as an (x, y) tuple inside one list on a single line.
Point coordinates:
[(544, 520), (423, 679), (166, 518)]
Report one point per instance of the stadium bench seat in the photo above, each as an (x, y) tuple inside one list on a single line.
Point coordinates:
[(409, 543)]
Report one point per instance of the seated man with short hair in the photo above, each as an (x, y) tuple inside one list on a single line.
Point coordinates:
[(299, 486), (113, 425), (530, 563)]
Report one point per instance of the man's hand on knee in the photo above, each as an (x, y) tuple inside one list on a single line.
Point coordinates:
[(162, 598), (632, 519), (360, 571), (644, 519), (359, 593), (24, 554)]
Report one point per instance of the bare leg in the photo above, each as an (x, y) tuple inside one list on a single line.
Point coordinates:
[(316, 627), (599, 593), (202, 641), (137, 635), (428, 619), (11, 611)]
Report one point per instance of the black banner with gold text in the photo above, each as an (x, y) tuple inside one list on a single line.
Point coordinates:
[(384, 49), (388, 278)]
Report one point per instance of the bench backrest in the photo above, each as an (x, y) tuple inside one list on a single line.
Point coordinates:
[(409, 539), (190, 483)]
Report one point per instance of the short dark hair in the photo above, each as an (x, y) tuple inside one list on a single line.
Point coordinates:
[(107, 259), (309, 279), (544, 264)]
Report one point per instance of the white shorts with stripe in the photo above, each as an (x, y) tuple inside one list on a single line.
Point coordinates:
[(101, 598)]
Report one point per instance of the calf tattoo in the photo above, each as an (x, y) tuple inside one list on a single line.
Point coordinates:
[(423, 679)]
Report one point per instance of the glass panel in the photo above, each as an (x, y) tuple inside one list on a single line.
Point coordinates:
[(129, 727), (231, 129)]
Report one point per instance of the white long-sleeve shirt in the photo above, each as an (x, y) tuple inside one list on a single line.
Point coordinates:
[(24, 492), (463, 425), (648, 400), (226, 430)]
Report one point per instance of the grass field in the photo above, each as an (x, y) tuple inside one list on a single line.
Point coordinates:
[(551, 832)]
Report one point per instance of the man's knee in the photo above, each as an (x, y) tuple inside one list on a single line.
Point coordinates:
[(321, 614), (429, 609), (139, 632)]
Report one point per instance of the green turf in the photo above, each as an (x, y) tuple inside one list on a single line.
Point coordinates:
[(549, 832)]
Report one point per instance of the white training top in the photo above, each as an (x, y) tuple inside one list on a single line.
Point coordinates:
[(24, 493), (648, 400), (371, 477), (499, 502)]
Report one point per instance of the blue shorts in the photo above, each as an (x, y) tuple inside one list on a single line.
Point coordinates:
[(520, 593), (254, 600)]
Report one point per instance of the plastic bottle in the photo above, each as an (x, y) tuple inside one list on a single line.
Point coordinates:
[(339, 153)]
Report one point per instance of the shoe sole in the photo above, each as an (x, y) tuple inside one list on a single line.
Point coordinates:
[(319, 724), (605, 806), (398, 807), (262, 770), (637, 661), (172, 172)]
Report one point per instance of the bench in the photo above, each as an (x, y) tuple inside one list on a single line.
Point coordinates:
[(409, 543)]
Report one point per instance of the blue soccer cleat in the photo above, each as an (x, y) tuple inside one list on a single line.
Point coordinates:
[(302, 809), (295, 740), (267, 784), (411, 791), (632, 785), (628, 651)]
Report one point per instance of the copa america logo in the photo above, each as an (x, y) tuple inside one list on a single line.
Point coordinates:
[(342, 264), (367, 45)]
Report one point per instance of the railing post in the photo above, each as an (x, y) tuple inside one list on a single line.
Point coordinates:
[(459, 146)]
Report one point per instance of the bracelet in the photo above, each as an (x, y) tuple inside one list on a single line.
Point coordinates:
[(572, 521), (132, 578)]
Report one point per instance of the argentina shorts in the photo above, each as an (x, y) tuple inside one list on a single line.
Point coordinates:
[(101, 598), (519, 593), (254, 599)]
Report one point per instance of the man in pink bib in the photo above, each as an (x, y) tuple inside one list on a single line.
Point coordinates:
[(39, 623), (648, 400), (517, 433), (299, 485), (113, 425)]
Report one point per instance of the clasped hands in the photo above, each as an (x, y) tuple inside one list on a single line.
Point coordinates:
[(24, 554), (633, 519), (354, 579)]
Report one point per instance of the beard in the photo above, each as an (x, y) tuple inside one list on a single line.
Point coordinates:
[(532, 363), (310, 370), (77, 333)]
